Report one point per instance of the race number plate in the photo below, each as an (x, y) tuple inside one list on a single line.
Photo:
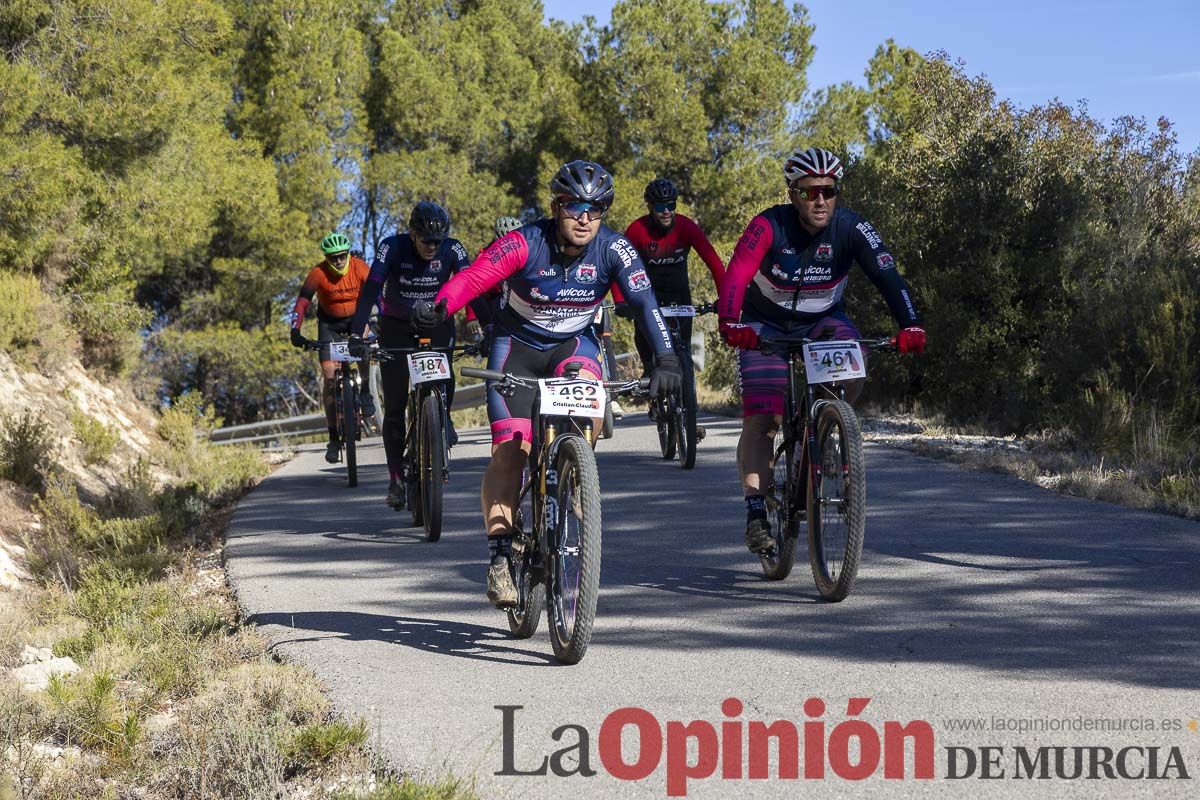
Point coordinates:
[(424, 367), (562, 397), (340, 351), (825, 362), (678, 311), (598, 319)]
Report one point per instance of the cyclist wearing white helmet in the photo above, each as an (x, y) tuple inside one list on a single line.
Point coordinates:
[(787, 278)]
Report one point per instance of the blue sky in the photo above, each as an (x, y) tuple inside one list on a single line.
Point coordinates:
[(1137, 58)]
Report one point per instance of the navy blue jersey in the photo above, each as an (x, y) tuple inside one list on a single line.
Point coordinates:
[(405, 278), (549, 297), (784, 274)]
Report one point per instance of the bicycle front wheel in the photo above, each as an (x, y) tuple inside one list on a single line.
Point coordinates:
[(574, 550), (837, 501), (686, 416), (431, 463), (664, 419), (349, 420)]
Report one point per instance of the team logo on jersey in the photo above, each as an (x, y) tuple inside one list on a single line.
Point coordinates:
[(824, 252), (436, 264), (652, 247), (885, 261), (638, 281), (585, 273), (545, 273), (815, 273), (778, 272), (383, 251), (536, 294)]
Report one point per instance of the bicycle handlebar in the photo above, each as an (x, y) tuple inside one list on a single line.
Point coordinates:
[(765, 345), (526, 381)]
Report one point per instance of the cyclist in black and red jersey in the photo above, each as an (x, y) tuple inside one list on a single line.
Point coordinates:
[(335, 284), (787, 278), (663, 239), (555, 272)]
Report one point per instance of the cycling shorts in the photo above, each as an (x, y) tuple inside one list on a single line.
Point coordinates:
[(332, 329), (512, 417), (762, 377)]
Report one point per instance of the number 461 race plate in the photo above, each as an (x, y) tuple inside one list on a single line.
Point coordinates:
[(825, 362)]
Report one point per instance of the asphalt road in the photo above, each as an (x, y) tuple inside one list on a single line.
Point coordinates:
[(982, 601)]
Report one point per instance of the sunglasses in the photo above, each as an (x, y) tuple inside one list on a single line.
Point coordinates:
[(811, 193), (338, 256), (658, 208), (428, 242), (576, 209)]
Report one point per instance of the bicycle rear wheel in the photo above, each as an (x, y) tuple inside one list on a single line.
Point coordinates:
[(531, 588), (573, 585), (431, 464), (348, 416), (685, 415), (782, 500), (837, 501)]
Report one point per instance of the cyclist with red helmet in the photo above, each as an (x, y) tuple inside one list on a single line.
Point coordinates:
[(335, 283), (555, 272), (664, 239), (787, 278)]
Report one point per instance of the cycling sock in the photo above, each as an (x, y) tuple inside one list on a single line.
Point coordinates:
[(333, 437), (756, 507), (500, 547)]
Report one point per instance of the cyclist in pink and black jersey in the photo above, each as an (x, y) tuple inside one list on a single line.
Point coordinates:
[(787, 279)]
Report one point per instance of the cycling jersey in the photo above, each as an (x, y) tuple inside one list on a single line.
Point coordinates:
[(336, 294), (405, 278), (666, 252), (787, 276), (548, 297)]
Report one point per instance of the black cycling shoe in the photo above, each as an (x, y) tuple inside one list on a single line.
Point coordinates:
[(758, 537), (395, 495), (333, 451)]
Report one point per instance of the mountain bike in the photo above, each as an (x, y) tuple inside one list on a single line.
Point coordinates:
[(557, 523), (425, 468), (675, 414), (347, 410), (818, 469)]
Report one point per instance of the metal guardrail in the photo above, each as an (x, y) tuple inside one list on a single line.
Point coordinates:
[(274, 430)]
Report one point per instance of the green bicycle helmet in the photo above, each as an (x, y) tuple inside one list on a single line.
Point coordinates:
[(335, 242)]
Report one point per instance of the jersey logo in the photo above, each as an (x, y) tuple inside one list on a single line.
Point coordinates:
[(537, 295), (652, 247), (885, 261), (778, 272), (638, 281), (545, 273), (869, 234), (824, 252), (586, 273)]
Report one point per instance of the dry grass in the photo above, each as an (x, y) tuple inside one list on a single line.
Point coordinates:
[(174, 698)]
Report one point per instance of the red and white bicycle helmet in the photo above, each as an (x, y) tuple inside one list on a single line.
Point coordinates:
[(812, 163)]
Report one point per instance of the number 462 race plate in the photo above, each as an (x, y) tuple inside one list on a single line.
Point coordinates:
[(563, 397), (825, 362)]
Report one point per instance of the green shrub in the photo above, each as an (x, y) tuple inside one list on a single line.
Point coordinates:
[(26, 449), (98, 440), (21, 299), (319, 742), (86, 711)]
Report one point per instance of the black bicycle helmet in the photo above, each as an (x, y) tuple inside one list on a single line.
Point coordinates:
[(583, 180), (429, 221), (660, 190)]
